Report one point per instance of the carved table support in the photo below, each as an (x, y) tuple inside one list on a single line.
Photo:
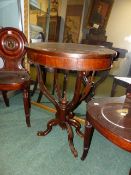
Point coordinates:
[(64, 115)]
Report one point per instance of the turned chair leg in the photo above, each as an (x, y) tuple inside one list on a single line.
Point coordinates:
[(6, 100), (39, 97), (87, 139), (130, 172), (44, 74), (35, 86), (27, 105)]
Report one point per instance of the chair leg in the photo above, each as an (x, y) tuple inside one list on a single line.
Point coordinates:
[(27, 105), (35, 86), (130, 172), (87, 139), (6, 100), (39, 97), (44, 74), (113, 87)]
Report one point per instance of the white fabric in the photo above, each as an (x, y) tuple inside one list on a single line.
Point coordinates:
[(122, 66), (125, 79)]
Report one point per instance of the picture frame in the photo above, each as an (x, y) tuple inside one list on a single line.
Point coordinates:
[(99, 12)]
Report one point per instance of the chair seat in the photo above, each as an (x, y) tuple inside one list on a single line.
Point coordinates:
[(16, 79), (111, 116)]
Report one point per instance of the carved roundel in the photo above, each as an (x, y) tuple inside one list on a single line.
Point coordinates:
[(12, 43)]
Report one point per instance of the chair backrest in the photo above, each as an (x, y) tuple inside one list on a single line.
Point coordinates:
[(12, 51)]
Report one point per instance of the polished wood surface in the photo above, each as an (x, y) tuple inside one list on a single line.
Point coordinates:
[(68, 56), (71, 56), (13, 76), (111, 116)]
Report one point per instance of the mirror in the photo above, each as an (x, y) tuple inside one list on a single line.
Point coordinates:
[(111, 12), (62, 21), (36, 18)]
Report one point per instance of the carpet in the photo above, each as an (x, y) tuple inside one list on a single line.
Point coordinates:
[(22, 152)]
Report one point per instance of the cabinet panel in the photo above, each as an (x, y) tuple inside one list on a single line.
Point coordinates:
[(41, 21), (54, 28)]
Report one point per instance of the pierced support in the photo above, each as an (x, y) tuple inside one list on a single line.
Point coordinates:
[(64, 108)]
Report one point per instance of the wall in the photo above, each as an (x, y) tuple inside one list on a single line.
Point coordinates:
[(9, 16), (118, 28), (43, 5), (62, 13), (9, 13), (119, 24)]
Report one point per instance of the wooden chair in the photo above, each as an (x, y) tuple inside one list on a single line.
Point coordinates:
[(111, 116), (13, 75), (121, 81)]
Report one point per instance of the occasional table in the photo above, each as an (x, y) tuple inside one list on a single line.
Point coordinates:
[(110, 116), (68, 56)]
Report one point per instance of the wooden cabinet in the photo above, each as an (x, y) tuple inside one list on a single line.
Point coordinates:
[(41, 21), (54, 28)]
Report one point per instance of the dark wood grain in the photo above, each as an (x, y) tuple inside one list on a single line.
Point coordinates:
[(68, 56), (111, 116), (71, 56), (13, 75)]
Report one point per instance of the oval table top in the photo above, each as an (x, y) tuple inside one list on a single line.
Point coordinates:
[(70, 56), (111, 116)]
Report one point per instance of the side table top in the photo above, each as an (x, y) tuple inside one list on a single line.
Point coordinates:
[(111, 116), (70, 55)]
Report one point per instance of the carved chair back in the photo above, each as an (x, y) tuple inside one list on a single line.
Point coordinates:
[(12, 49)]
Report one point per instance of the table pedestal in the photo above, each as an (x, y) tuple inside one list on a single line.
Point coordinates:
[(64, 108)]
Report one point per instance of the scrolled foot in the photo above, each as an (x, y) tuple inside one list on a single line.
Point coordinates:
[(50, 124), (77, 126)]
